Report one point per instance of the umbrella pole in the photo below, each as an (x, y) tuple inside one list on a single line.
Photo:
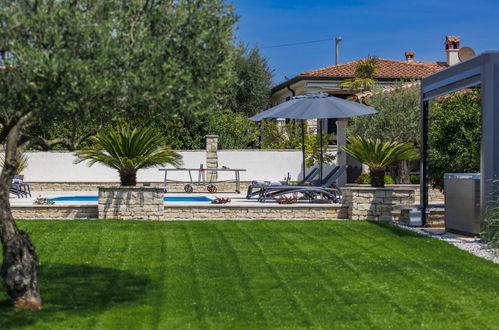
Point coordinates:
[(321, 158), (303, 147)]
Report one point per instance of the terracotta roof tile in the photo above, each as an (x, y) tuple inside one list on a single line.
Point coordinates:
[(386, 69)]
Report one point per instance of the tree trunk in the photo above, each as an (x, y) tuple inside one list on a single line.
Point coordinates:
[(400, 172), (128, 178), (377, 177), (20, 261)]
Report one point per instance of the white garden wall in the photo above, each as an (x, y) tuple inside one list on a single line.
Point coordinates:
[(55, 166)]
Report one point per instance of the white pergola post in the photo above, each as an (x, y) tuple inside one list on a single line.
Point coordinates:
[(341, 157)]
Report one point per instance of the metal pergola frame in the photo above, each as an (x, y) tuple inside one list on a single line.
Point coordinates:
[(483, 71)]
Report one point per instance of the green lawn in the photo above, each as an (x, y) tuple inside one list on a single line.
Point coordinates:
[(253, 274)]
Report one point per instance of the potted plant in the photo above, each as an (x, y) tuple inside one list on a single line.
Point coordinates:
[(378, 155), (127, 150)]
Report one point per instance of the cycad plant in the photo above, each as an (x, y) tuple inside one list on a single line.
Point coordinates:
[(378, 155), (127, 150)]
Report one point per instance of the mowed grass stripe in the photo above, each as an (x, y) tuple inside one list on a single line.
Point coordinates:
[(243, 306), (57, 247), (171, 288), (272, 266), (157, 268), (264, 286), (135, 258), (417, 283), (218, 280), (362, 291), (333, 306), (436, 275), (198, 298), (249, 302), (366, 288)]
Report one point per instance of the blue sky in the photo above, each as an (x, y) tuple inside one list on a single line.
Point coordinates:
[(385, 28)]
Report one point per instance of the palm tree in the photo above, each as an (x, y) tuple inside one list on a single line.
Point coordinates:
[(364, 75), (378, 155), (127, 150)]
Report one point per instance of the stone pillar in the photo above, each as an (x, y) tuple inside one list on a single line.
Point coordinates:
[(341, 157), (211, 156), (377, 204), (131, 203)]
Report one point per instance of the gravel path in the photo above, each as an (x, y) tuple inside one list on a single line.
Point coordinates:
[(474, 246)]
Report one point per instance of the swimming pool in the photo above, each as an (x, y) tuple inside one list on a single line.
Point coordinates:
[(96, 198)]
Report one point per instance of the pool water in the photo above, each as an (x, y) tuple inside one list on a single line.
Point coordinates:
[(96, 198)]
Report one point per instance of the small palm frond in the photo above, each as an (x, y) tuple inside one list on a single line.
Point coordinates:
[(377, 154), (367, 68), (22, 162), (127, 148)]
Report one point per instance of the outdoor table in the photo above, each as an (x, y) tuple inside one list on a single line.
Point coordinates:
[(201, 180)]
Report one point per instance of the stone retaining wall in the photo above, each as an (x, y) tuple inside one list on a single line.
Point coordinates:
[(435, 196), (268, 212), (377, 204), (195, 212), (55, 212), (434, 218), (128, 203)]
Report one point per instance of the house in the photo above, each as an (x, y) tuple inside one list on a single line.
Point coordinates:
[(328, 80)]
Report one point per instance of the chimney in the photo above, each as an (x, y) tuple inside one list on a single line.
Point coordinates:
[(451, 49), (409, 56)]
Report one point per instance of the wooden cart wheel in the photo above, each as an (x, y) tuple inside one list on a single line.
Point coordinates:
[(188, 188), (212, 188)]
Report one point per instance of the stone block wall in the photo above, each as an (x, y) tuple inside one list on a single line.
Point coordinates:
[(268, 212), (434, 218), (139, 203), (377, 204), (54, 212)]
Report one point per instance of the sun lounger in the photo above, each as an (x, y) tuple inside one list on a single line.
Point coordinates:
[(255, 188), (326, 189), (19, 188)]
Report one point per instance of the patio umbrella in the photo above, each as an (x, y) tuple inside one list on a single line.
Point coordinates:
[(315, 106)]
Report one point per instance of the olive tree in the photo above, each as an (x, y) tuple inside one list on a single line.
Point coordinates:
[(99, 61)]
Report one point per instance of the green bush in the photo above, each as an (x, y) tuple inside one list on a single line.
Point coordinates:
[(415, 179), (490, 232), (364, 178), (454, 136)]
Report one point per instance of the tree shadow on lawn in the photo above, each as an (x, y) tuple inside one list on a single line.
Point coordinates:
[(397, 230), (76, 289)]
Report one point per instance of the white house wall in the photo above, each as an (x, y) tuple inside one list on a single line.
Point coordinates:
[(269, 165)]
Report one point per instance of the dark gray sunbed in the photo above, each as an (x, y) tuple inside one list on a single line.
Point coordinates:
[(19, 188), (326, 188), (255, 188)]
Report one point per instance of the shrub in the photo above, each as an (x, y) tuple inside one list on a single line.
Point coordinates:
[(364, 178), (454, 136), (415, 179), (490, 233)]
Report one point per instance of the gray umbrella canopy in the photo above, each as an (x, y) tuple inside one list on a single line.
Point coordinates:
[(316, 106)]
